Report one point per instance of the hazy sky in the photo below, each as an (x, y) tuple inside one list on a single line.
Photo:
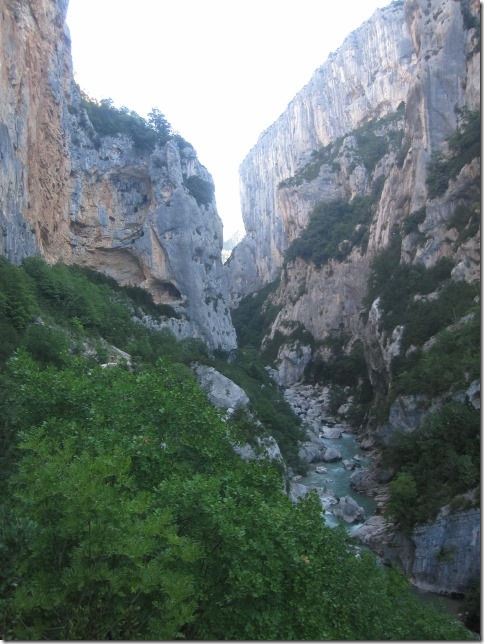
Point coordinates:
[(221, 71)]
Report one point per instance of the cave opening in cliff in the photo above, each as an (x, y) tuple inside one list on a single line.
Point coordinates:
[(164, 292)]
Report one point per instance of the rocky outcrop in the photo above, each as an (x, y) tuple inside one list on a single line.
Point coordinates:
[(441, 557), (222, 392), (227, 396), (74, 196)]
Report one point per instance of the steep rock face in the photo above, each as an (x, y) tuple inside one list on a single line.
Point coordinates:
[(73, 196), (364, 132), (439, 557), (35, 78), (417, 54), (367, 77), (323, 149)]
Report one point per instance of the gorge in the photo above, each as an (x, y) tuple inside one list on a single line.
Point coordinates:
[(354, 294)]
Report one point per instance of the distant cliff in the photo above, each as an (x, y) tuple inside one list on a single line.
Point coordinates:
[(72, 195)]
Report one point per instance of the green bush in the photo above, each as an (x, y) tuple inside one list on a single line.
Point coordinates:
[(109, 120), (141, 523), (17, 296), (255, 315), (466, 220), (334, 229), (433, 464), (464, 145), (202, 190), (449, 365)]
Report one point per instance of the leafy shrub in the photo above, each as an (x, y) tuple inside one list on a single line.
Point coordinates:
[(433, 463), (299, 334), (202, 190), (464, 145), (466, 220), (412, 222), (449, 365), (45, 344), (267, 402), (334, 228), (254, 315), (108, 120), (396, 285), (17, 295)]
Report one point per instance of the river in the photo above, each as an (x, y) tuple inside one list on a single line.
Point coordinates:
[(336, 480)]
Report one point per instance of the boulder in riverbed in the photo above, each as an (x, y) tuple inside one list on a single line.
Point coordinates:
[(331, 455), (348, 510)]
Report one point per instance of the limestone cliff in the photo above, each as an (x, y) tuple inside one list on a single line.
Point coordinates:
[(365, 126), (74, 196)]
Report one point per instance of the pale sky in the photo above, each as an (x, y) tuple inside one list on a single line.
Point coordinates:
[(221, 71)]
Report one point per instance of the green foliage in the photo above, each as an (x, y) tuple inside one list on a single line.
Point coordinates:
[(412, 222), (433, 464), (18, 305), (324, 156), (202, 190), (298, 334), (373, 141), (334, 229), (342, 368), (472, 609), (90, 302), (397, 284), (254, 315), (46, 344), (425, 319), (140, 521), (371, 146), (267, 403), (109, 120), (464, 145), (466, 220), (129, 516), (346, 374), (449, 365)]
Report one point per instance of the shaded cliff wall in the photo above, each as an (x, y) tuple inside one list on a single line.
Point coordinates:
[(72, 195)]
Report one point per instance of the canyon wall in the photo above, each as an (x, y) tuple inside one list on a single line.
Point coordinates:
[(414, 53), (405, 73), (71, 195)]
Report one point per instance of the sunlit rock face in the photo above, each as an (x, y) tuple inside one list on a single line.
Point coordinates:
[(35, 80), (73, 196), (411, 67), (367, 77)]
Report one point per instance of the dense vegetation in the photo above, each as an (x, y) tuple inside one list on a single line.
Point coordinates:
[(464, 145), (334, 229), (435, 464), (109, 120), (202, 190), (127, 514), (254, 316)]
